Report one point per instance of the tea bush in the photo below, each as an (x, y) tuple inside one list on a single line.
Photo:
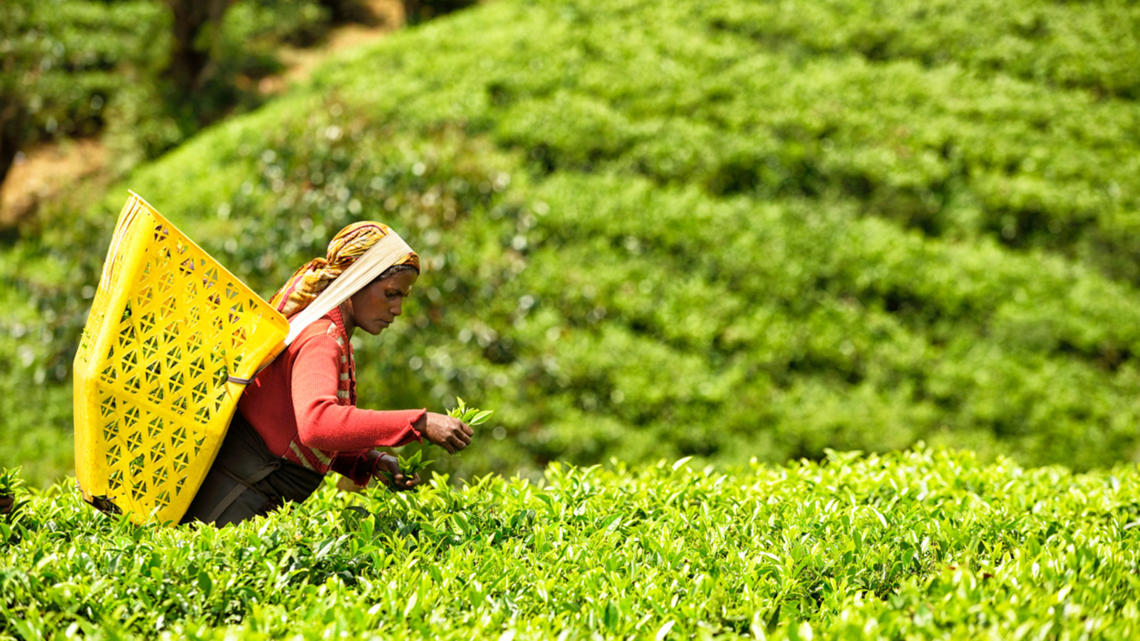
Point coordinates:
[(1051, 43), (922, 544), (80, 68), (63, 62), (663, 230)]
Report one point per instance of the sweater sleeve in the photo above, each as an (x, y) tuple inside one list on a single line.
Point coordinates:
[(324, 424), (356, 465)]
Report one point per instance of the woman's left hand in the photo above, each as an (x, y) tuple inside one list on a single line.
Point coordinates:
[(387, 469)]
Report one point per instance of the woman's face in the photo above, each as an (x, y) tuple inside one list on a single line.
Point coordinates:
[(377, 305)]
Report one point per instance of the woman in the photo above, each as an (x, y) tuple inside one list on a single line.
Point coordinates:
[(298, 418)]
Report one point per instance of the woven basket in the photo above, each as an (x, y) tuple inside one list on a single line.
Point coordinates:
[(170, 340)]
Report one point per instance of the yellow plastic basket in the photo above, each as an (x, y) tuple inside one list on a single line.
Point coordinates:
[(170, 337)]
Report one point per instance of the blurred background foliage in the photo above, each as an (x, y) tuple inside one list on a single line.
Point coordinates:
[(651, 230), (151, 73)]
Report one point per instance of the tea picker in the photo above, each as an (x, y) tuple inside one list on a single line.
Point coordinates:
[(197, 400)]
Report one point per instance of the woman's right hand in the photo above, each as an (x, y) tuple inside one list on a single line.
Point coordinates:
[(445, 431), (387, 469)]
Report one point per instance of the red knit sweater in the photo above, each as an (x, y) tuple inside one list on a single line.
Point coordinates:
[(304, 406)]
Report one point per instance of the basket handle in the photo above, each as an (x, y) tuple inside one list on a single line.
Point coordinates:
[(130, 212)]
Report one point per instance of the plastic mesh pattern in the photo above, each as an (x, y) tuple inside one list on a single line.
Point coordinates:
[(168, 328)]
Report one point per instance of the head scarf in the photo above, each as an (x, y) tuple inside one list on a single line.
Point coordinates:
[(344, 249)]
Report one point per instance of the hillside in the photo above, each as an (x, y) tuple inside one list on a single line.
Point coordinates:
[(917, 545), (731, 230)]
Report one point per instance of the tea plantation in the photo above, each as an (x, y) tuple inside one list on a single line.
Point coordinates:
[(920, 545), (743, 232), (727, 230)]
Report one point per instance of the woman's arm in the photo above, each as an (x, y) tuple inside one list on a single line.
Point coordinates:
[(361, 468), (356, 466), (324, 424)]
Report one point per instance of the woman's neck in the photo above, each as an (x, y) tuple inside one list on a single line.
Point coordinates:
[(345, 310)]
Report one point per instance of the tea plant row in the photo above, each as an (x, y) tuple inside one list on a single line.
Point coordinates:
[(921, 544)]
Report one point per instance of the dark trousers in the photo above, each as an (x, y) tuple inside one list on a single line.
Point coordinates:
[(246, 480)]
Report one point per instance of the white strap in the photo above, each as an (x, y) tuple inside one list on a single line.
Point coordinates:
[(371, 264)]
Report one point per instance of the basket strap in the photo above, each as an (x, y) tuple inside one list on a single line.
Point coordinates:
[(371, 264), (356, 276)]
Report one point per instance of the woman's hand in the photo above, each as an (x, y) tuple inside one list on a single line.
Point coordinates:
[(449, 433), (387, 469)]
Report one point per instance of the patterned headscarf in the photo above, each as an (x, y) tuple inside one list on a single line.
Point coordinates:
[(311, 279)]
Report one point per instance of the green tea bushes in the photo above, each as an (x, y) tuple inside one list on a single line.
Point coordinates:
[(675, 229), (1045, 42), (921, 544)]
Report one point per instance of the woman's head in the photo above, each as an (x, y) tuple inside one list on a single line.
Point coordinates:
[(375, 306), (346, 247)]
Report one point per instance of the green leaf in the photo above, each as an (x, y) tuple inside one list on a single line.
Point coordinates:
[(480, 418)]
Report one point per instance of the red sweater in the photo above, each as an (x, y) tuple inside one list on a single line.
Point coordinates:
[(304, 406)]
